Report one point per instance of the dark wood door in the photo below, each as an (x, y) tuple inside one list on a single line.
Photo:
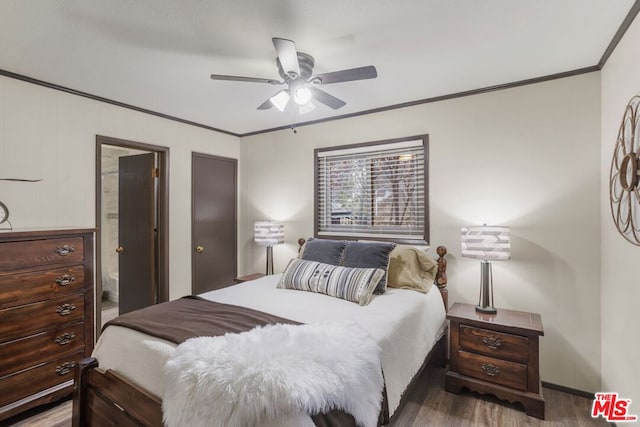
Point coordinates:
[(214, 223), (136, 232)]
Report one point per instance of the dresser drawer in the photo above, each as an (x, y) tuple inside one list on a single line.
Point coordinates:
[(495, 344), (36, 253), (509, 374), (19, 288), (29, 351), (25, 383), (23, 320)]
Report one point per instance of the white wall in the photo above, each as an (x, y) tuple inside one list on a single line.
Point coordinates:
[(51, 135), (526, 157), (620, 290)]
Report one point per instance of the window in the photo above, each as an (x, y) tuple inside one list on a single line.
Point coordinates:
[(376, 190)]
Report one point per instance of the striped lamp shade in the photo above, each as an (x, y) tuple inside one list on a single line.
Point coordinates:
[(486, 242), (268, 233)]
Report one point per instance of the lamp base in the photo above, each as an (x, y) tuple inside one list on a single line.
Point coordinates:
[(485, 301), (269, 260), (487, 309)]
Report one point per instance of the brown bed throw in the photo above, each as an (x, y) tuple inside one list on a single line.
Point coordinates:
[(192, 316)]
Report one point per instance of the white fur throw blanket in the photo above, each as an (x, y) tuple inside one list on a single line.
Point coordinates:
[(275, 375)]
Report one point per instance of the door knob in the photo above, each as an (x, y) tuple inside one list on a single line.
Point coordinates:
[(119, 249), (199, 249)]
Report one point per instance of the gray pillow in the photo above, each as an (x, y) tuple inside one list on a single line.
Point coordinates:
[(351, 284), (324, 251), (369, 255)]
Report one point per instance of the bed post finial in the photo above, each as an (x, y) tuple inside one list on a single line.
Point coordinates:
[(301, 242), (441, 275)]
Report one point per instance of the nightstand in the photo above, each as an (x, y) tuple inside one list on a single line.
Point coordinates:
[(497, 354), (248, 277)]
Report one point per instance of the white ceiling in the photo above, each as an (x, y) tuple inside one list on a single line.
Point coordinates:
[(158, 54)]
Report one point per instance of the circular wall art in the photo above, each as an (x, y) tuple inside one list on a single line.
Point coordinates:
[(623, 179)]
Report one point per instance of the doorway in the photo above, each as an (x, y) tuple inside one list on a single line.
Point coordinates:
[(132, 221), (214, 222)]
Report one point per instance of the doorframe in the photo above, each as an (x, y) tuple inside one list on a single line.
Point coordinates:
[(195, 154), (163, 217)]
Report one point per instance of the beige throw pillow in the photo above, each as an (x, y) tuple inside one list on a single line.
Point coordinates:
[(411, 268)]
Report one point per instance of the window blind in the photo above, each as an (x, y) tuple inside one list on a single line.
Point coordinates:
[(373, 191)]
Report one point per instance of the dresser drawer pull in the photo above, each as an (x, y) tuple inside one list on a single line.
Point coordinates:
[(65, 368), (65, 250), (65, 338), (490, 369), (492, 342), (65, 309), (65, 279)]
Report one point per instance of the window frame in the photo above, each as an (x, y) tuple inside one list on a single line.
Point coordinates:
[(338, 236)]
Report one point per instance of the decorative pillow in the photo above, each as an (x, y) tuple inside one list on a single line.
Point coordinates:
[(411, 268), (369, 255), (324, 251), (351, 284)]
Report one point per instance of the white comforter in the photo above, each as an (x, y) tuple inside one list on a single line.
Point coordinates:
[(406, 324)]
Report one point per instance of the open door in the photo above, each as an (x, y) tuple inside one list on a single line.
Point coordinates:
[(214, 222), (137, 285)]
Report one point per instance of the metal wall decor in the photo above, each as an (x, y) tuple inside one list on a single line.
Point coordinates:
[(623, 179)]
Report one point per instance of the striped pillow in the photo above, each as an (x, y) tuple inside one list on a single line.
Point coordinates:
[(351, 284)]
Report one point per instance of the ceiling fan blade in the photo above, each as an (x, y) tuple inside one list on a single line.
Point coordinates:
[(265, 105), (287, 55), (326, 99), (360, 73), (245, 79)]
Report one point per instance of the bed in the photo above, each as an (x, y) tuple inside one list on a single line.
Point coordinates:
[(123, 382)]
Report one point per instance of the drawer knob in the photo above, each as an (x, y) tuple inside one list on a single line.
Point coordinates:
[(65, 309), (65, 250), (65, 279), (492, 342), (490, 369), (65, 338), (65, 368)]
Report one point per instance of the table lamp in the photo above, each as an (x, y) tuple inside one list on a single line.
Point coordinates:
[(268, 233), (486, 243)]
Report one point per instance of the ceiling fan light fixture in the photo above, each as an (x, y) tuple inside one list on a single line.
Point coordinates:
[(306, 108), (280, 100), (302, 95)]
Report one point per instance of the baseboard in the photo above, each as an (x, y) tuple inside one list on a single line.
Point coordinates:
[(569, 390)]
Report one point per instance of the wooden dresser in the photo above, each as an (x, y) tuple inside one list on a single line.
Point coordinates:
[(46, 314), (497, 354)]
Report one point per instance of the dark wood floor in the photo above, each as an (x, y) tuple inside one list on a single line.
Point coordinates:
[(429, 405)]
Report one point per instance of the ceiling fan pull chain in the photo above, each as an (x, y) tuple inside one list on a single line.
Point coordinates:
[(295, 119)]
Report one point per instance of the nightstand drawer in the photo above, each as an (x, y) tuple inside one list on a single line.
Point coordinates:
[(495, 344), (494, 370)]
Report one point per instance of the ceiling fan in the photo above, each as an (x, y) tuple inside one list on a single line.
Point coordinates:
[(295, 69)]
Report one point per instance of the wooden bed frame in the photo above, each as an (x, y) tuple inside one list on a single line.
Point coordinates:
[(107, 399)]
